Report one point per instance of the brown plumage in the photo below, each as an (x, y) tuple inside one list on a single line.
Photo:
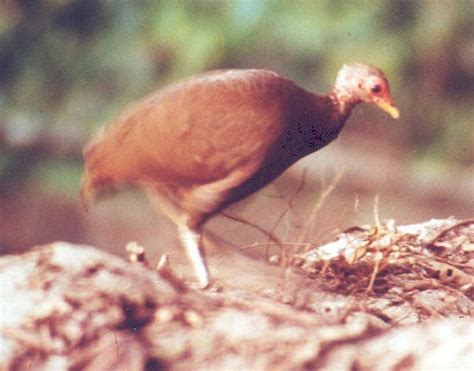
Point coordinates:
[(209, 141)]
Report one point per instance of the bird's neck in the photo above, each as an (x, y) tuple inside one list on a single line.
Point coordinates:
[(342, 103)]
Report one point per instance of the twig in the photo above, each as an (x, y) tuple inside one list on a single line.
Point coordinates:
[(375, 271), (309, 229), (255, 226), (254, 245), (356, 203), (289, 206), (456, 225), (136, 253), (378, 225)]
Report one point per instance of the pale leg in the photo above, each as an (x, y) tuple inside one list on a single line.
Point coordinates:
[(191, 241)]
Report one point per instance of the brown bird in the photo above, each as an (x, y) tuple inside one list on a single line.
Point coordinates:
[(209, 141)]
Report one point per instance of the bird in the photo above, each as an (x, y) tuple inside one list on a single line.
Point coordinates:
[(208, 141)]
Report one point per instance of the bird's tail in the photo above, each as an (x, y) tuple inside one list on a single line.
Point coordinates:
[(88, 192), (94, 189), (95, 181)]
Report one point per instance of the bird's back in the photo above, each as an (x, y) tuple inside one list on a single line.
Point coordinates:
[(195, 132)]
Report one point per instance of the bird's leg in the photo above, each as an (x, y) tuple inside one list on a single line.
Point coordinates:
[(162, 198), (192, 243)]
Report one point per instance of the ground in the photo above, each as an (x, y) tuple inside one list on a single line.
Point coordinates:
[(383, 296)]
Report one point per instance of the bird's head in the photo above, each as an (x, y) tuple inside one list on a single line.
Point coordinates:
[(365, 83)]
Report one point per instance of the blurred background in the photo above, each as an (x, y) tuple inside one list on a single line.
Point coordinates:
[(67, 67)]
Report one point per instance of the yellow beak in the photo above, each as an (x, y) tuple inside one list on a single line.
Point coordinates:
[(389, 108)]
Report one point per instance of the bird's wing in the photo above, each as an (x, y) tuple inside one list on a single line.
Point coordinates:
[(198, 131)]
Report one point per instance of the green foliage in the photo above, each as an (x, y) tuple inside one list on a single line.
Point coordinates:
[(59, 176), (68, 66)]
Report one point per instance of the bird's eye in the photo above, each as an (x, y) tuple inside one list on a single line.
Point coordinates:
[(376, 89)]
